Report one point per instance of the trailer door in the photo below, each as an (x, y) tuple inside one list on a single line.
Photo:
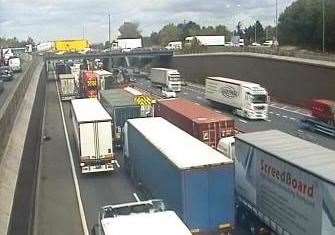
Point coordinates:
[(87, 140), (104, 137)]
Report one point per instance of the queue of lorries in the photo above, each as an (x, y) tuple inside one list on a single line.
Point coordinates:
[(9, 64), (208, 176)]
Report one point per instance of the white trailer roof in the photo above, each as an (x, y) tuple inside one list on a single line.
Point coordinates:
[(305, 155), (133, 91), (179, 147), (102, 72), (89, 110), (235, 81), (163, 223), (66, 76)]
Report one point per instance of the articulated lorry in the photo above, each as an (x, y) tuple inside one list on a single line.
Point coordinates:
[(284, 184), (323, 117), (169, 78), (193, 179), (68, 88), (247, 99), (141, 218), (93, 134)]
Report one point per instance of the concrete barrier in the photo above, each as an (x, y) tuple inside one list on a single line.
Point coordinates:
[(20, 155), (287, 79), (11, 105)]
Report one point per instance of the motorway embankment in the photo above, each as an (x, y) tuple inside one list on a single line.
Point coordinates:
[(287, 79)]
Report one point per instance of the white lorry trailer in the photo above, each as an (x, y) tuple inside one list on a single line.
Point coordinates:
[(68, 89), (207, 40), (141, 218), (128, 44), (284, 184), (93, 133), (247, 99), (15, 64), (169, 78)]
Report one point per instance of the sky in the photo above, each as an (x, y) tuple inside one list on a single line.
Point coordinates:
[(47, 20)]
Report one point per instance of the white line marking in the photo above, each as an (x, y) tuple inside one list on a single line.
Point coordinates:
[(277, 114), (268, 120), (241, 120), (217, 111), (136, 197), (117, 164), (271, 112), (74, 176), (284, 116), (304, 114), (292, 118)]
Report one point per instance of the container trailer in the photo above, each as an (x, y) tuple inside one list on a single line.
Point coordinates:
[(323, 117), (169, 78), (68, 89), (284, 184), (142, 218), (202, 123), (194, 180), (15, 64), (207, 40), (89, 86), (105, 79), (120, 104), (246, 99), (93, 134)]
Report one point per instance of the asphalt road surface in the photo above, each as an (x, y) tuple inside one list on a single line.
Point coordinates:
[(281, 116)]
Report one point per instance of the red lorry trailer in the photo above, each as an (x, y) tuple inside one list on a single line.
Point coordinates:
[(204, 124), (89, 84), (323, 117)]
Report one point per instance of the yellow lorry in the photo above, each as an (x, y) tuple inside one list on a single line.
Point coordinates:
[(72, 46)]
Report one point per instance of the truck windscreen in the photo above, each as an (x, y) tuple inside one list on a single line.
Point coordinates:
[(259, 99)]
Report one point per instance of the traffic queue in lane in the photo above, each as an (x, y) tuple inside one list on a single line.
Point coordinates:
[(195, 181)]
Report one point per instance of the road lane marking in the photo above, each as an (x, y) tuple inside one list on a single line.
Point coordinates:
[(277, 114), (217, 111), (292, 118), (291, 111), (136, 197), (117, 164), (271, 112), (241, 120), (284, 116), (74, 175), (268, 120)]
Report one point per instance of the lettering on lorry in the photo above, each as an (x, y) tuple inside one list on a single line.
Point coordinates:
[(296, 185), (229, 92)]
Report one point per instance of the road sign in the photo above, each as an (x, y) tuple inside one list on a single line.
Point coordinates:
[(144, 100)]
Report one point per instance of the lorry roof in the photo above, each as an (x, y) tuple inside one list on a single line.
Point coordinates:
[(89, 110), (163, 223), (235, 81), (182, 149), (324, 101), (133, 91), (66, 76), (165, 69), (103, 72), (117, 97), (196, 112), (305, 155)]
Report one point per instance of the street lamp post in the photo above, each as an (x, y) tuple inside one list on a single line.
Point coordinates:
[(323, 25), (276, 20)]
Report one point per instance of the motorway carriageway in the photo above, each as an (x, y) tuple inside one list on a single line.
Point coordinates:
[(281, 116), (68, 202)]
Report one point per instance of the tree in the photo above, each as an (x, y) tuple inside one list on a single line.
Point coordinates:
[(168, 33), (301, 24), (270, 32), (250, 32), (154, 38), (129, 30), (239, 31)]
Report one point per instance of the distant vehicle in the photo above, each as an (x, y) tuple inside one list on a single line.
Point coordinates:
[(284, 184), (15, 64), (104, 79), (247, 99), (127, 44), (45, 47), (7, 53), (268, 43), (6, 73), (142, 218), (229, 44), (29, 48), (199, 121), (255, 44), (207, 40), (237, 41), (93, 134), (191, 184), (163, 77), (72, 46), (177, 45), (68, 88), (323, 120), (168, 93)]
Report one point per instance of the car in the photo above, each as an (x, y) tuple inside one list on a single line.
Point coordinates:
[(6, 73), (268, 43), (255, 44), (229, 44), (168, 93)]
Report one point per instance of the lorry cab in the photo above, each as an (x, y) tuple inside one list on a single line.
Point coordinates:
[(226, 146), (255, 102), (174, 81)]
